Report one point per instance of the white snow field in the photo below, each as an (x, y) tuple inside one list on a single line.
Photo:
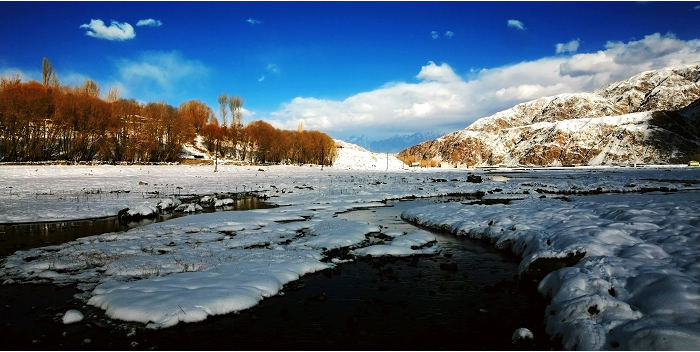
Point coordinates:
[(637, 285)]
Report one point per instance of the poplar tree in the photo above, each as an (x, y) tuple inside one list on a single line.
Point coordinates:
[(48, 74)]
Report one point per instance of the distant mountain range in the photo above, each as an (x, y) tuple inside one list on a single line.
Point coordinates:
[(650, 118)]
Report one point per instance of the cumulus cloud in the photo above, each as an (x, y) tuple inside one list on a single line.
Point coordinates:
[(433, 72), (516, 24), (570, 47), (115, 31), (434, 34), (449, 34), (253, 21), (149, 22), (440, 99)]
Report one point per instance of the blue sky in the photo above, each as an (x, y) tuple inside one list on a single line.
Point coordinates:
[(373, 69)]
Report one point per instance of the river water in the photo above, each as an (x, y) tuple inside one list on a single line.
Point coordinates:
[(467, 297)]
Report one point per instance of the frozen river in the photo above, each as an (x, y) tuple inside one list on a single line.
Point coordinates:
[(629, 236)]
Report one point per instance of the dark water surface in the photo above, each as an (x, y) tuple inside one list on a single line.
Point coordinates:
[(465, 298), (21, 236)]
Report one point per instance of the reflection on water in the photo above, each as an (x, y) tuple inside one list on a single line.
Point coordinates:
[(14, 237)]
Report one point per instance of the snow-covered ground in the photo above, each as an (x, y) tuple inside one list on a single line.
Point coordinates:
[(636, 287)]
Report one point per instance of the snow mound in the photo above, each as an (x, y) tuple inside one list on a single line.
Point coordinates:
[(636, 285), (143, 210)]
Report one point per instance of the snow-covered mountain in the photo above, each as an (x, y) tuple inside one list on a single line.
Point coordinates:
[(354, 157), (651, 117)]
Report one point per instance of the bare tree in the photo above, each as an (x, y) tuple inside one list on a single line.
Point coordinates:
[(235, 103), (113, 94), (12, 80), (90, 88), (48, 73), (223, 101)]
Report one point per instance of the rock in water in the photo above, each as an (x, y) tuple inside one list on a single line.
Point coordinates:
[(521, 335), (72, 316)]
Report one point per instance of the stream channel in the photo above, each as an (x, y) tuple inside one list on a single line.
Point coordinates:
[(467, 297)]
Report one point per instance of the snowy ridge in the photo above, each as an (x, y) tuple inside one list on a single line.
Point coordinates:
[(516, 136), (354, 157)]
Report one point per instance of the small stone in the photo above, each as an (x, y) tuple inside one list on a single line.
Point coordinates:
[(522, 334), (72, 316)]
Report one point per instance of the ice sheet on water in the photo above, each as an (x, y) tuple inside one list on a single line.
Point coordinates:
[(337, 233), (415, 243), (164, 301)]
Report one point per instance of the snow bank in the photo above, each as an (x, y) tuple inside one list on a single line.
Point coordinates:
[(637, 286), (143, 211)]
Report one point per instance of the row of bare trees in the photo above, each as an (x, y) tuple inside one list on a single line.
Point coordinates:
[(48, 121), (261, 142)]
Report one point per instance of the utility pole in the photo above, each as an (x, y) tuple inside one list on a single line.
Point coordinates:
[(216, 156), (387, 161), (323, 156)]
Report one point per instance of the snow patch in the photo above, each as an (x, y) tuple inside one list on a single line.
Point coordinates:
[(403, 245)]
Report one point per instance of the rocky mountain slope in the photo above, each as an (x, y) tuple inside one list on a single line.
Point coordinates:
[(652, 117)]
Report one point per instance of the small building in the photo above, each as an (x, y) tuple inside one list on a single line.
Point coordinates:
[(694, 163), (446, 165), (415, 164)]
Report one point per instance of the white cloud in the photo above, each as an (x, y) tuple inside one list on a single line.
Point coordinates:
[(696, 7), (115, 31), (516, 24), (449, 34), (443, 100), (433, 72), (149, 22), (570, 47), (157, 76), (24, 75), (434, 34), (270, 69), (253, 21)]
